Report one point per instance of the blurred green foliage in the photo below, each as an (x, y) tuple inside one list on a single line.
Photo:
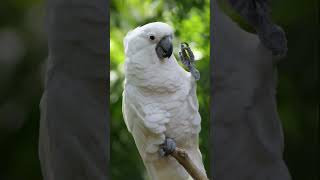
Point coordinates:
[(191, 21), (23, 50)]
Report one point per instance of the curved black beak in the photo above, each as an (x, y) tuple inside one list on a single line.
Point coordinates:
[(164, 47)]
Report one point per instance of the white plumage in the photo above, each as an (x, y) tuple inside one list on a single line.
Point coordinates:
[(159, 101)]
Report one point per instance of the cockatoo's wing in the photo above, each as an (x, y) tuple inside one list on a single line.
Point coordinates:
[(146, 122), (137, 111), (127, 111)]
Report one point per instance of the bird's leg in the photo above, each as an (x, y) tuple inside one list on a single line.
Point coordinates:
[(168, 147), (187, 59)]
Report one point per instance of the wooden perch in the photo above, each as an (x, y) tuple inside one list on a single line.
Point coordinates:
[(183, 158)]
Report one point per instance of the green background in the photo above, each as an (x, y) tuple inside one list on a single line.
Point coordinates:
[(23, 51)]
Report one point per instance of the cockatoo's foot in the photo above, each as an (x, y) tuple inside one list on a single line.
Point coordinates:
[(186, 55), (187, 59), (168, 146)]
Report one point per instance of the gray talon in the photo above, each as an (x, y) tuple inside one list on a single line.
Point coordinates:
[(187, 59), (167, 147)]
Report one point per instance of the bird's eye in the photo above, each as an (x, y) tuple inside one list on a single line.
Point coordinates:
[(152, 37)]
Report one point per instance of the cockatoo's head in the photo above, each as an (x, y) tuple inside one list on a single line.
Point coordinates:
[(155, 38)]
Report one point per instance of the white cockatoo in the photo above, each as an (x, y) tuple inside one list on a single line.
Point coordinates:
[(160, 106)]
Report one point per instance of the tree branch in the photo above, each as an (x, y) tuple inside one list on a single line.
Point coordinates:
[(183, 158)]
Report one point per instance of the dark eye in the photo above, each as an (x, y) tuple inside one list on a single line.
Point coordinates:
[(152, 37)]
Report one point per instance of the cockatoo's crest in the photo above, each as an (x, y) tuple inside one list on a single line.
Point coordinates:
[(139, 38)]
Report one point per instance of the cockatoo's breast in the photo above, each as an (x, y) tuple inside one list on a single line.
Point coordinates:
[(156, 76)]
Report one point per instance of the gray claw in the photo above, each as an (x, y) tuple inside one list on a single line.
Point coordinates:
[(167, 147), (187, 59)]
